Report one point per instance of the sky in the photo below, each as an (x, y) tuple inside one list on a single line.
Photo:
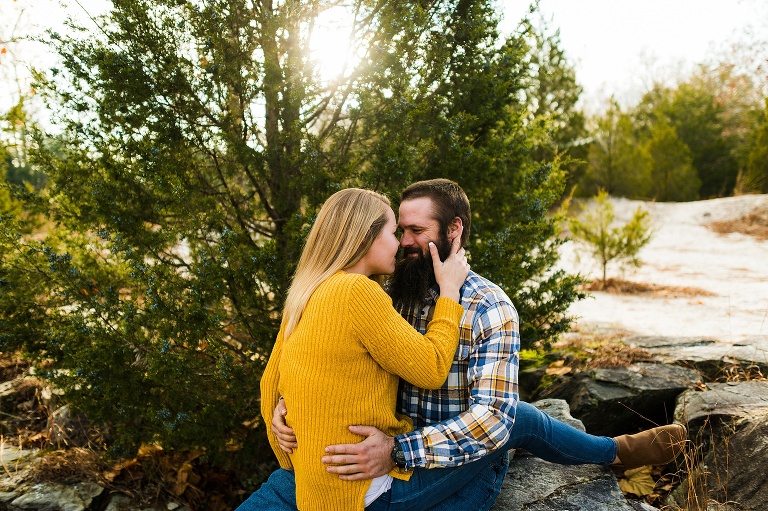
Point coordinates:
[(621, 46), (618, 47)]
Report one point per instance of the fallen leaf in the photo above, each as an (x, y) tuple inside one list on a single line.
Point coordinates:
[(638, 481)]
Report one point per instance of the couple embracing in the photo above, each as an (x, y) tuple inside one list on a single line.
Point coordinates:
[(423, 370)]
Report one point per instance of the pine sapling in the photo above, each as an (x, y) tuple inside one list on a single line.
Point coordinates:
[(622, 244)]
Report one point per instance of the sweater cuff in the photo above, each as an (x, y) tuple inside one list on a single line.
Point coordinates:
[(451, 306)]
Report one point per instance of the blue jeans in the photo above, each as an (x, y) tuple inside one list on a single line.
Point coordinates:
[(471, 486)]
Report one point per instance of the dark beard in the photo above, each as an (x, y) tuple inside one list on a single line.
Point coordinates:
[(409, 285)]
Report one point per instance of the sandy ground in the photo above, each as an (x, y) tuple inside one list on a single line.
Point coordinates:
[(685, 252)]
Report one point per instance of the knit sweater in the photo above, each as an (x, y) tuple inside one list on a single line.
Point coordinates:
[(341, 367)]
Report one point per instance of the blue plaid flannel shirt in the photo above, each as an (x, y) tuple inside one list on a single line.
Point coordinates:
[(473, 413)]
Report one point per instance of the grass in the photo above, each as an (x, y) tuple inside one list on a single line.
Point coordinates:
[(753, 224), (620, 286)]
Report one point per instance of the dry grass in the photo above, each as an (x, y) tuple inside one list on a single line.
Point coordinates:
[(754, 224), (619, 286), (585, 351), (67, 465), (740, 372)]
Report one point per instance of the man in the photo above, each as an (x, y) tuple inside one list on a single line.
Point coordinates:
[(467, 426)]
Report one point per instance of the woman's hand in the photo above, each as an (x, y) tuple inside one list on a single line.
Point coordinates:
[(451, 273)]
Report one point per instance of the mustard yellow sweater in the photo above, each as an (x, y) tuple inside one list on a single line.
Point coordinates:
[(340, 367)]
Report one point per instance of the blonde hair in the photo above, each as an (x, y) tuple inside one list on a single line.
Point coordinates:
[(345, 228)]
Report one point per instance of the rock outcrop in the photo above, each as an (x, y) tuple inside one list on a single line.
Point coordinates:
[(536, 485), (728, 426)]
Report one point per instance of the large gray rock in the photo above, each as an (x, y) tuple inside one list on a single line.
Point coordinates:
[(709, 356), (733, 400), (728, 425), (536, 485), (625, 399), (57, 497)]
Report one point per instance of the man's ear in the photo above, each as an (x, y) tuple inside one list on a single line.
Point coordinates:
[(455, 228)]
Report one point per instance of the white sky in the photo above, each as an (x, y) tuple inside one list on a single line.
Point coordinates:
[(618, 46), (621, 46)]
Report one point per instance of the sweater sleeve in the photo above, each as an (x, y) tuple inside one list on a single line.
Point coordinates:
[(423, 360), (269, 398)]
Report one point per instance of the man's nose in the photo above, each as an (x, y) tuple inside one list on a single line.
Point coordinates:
[(406, 240)]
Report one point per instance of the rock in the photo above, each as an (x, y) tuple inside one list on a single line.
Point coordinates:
[(728, 425), (724, 401), (639, 505), (6, 388), (68, 427), (536, 485), (624, 399), (6, 497), (123, 503), (10, 455), (709, 356), (57, 497), (118, 503)]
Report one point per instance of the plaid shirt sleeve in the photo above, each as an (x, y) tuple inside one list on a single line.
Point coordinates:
[(492, 371)]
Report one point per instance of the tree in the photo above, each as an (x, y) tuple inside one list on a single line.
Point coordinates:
[(673, 177), (197, 141), (710, 114), (621, 244), (551, 95), (755, 175), (618, 159)]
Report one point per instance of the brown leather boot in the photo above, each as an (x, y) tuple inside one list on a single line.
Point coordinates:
[(657, 446)]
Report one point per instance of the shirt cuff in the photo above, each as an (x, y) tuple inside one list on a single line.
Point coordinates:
[(413, 449)]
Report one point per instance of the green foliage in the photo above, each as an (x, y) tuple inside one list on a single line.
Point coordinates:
[(679, 143), (755, 176), (621, 244), (696, 115), (673, 177), (619, 162), (195, 143)]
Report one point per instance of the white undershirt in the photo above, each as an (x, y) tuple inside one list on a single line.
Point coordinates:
[(379, 485)]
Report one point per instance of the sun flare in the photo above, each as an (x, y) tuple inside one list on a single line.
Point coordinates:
[(330, 46)]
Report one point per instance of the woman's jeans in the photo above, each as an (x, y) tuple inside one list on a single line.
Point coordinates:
[(471, 486)]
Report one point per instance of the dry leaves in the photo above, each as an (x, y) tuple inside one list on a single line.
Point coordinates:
[(638, 482)]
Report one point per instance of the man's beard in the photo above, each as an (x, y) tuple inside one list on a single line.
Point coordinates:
[(414, 276)]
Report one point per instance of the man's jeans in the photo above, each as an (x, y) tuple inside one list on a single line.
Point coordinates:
[(471, 486)]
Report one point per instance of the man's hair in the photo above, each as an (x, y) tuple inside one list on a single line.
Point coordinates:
[(449, 202), (346, 227)]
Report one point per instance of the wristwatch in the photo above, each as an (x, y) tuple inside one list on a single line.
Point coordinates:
[(398, 456)]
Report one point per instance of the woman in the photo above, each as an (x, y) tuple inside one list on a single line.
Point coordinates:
[(342, 347)]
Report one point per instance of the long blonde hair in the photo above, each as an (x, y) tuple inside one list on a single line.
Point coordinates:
[(346, 227)]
